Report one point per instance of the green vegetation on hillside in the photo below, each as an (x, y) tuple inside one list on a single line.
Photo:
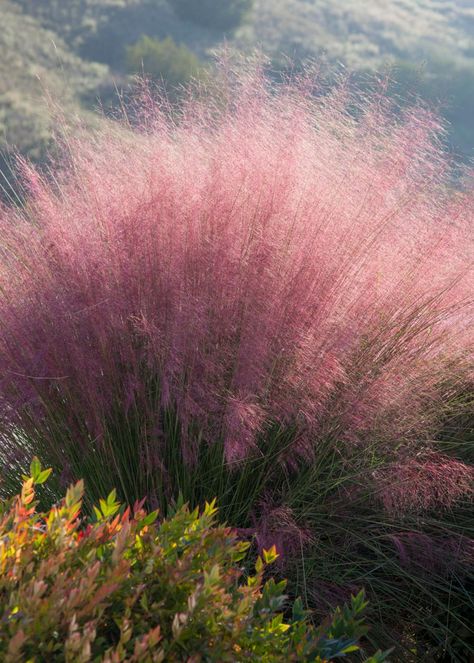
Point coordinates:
[(36, 64), (428, 36), (162, 60), (220, 16), (363, 34)]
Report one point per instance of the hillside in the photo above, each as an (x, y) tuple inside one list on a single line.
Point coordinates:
[(34, 63), (364, 34), (76, 51), (427, 46)]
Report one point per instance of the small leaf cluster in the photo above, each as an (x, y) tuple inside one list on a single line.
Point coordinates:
[(127, 586)]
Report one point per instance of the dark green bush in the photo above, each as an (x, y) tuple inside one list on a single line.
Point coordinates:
[(126, 589), (216, 14), (163, 60)]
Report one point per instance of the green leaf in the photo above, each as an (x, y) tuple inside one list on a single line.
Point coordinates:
[(43, 476), (74, 493), (299, 613), (213, 577), (149, 519), (349, 649), (252, 581), (358, 602), (35, 467), (270, 555), (210, 508), (111, 498)]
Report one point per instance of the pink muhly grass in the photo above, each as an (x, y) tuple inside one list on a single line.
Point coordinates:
[(277, 525), (422, 484), (434, 555), (270, 257)]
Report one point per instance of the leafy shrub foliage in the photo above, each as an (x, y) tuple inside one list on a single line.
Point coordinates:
[(125, 589), (163, 60), (213, 13)]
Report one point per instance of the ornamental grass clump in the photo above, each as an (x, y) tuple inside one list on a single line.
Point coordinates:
[(258, 263), (264, 295), (125, 588)]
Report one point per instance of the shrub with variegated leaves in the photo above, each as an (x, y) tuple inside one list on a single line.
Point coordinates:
[(124, 588)]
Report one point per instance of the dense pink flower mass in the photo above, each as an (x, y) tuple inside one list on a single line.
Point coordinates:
[(422, 484), (273, 256)]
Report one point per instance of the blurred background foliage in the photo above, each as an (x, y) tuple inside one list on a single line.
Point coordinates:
[(82, 53), (163, 60)]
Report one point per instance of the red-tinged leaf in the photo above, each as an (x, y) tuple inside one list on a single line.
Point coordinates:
[(138, 506), (99, 597), (154, 636), (120, 542), (15, 645), (27, 492), (73, 512), (83, 534), (74, 494), (114, 524)]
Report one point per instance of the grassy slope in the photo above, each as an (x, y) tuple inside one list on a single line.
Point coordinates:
[(366, 33), (361, 34), (35, 62), (430, 42)]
